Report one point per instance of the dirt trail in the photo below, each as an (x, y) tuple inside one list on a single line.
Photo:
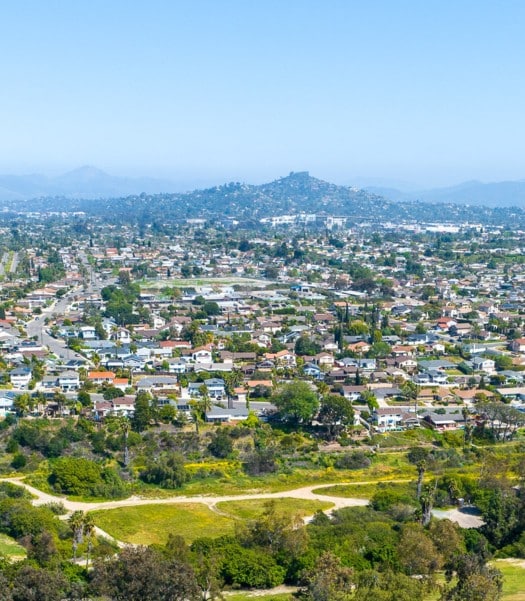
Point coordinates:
[(306, 492), (465, 520)]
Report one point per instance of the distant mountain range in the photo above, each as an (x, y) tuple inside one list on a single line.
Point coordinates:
[(91, 183), (84, 182), (249, 204), (494, 194)]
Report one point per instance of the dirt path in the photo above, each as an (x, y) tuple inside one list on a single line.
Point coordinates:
[(306, 492), (464, 518)]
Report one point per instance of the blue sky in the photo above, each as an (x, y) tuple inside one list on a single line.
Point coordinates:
[(425, 92)]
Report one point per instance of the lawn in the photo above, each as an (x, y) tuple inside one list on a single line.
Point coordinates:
[(10, 548), (202, 281), (249, 510), (513, 578), (363, 491), (247, 596), (513, 571), (151, 524)]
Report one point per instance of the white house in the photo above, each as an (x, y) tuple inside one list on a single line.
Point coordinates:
[(7, 398), (20, 377), (483, 364), (202, 355), (68, 381), (387, 419)]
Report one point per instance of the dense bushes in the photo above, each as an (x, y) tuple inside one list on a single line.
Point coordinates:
[(355, 460), (168, 472), (251, 568), (38, 437), (79, 476)]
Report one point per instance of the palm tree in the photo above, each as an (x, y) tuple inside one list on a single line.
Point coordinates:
[(125, 426), (201, 406), (89, 530), (76, 522)]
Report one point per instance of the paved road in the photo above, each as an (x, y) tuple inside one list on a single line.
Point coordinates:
[(14, 263), (37, 328), (3, 262)]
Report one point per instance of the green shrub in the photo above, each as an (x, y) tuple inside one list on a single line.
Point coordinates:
[(19, 461), (353, 461)]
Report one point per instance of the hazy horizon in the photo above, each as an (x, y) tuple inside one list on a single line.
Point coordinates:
[(430, 95), (187, 182)]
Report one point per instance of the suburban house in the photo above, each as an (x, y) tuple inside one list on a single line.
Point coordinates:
[(68, 381), (101, 377), (386, 419), (157, 383), (7, 398), (215, 386), (483, 364), (20, 377), (444, 422), (518, 345), (313, 370), (202, 355)]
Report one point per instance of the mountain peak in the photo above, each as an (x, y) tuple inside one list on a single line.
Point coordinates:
[(84, 173)]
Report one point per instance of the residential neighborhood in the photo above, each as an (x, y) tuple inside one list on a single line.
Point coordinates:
[(402, 321)]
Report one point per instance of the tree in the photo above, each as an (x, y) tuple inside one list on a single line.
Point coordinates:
[(75, 475), (143, 412), (387, 586), (84, 398), (475, 581), (124, 425), (328, 580), (35, 584), (304, 345), (23, 404), (418, 456), (274, 531), (142, 573), (252, 568), (221, 445), (370, 399), (200, 406), (336, 413), (167, 471), (89, 531), (417, 553), (76, 523), (296, 401)]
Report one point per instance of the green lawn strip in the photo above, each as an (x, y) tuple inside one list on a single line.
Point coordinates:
[(150, 524), (251, 509), (10, 548), (246, 596), (365, 490), (513, 571), (192, 282)]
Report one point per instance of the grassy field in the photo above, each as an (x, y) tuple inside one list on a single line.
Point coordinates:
[(363, 491), (249, 510), (192, 282), (10, 548), (514, 578), (246, 596), (149, 524)]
